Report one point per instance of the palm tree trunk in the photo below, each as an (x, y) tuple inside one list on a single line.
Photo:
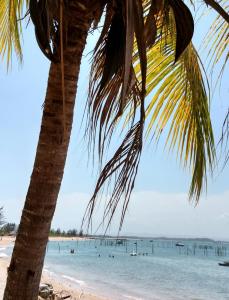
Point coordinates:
[(27, 260)]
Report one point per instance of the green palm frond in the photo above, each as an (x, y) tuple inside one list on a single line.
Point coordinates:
[(224, 139), (180, 101), (10, 28), (217, 40)]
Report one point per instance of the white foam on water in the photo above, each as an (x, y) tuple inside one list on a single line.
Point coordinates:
[(2, 249), (3, 255), (46, 269), (79, 282), (132, 297), (50, 273)]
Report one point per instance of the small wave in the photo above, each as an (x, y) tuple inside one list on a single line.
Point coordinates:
[(132, 297), (80, 282), (46, 269), (2, 249), (3, 255), (50, 273)]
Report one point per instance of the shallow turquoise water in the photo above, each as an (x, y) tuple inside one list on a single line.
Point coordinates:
[(169, 272)]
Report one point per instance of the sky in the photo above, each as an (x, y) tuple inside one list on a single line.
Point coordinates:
[(159, 204)]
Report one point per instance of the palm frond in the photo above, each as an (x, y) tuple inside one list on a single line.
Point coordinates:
[(118, 84), (113, 88), (215, 5), (180, 100), (224, 139), (217, 41), (11, 12), (46, 16), (124, 166)]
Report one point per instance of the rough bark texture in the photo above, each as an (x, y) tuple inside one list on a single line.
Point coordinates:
[(25, 269)]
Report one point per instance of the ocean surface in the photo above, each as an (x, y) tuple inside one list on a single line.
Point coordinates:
[(160, 270)]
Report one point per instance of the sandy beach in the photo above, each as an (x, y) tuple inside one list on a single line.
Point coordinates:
[(58, 285), (6, 241)]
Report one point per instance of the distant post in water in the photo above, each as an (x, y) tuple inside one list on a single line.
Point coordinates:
[(136, 247), (152, 246)]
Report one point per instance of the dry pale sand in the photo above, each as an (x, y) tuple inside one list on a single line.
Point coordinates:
[(3, 267), (6, 241), (58, 285)]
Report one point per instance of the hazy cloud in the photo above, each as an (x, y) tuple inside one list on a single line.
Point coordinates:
[(150, 213)]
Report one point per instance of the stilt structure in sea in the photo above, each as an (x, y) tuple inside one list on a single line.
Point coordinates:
[(144, 247)]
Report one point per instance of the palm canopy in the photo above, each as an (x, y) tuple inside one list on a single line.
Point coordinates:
[(144, 49)]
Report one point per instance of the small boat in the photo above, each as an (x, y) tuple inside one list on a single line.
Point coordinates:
[(133, 253), (179, 245), (224, 264)]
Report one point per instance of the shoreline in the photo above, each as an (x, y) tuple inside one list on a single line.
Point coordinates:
[(59, 284), (6, 241), (64, 285)]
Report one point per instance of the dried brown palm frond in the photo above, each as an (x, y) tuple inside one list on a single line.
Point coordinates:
[(45, 15), (113, 87), (215, 5), (49, 22), (124, 166)]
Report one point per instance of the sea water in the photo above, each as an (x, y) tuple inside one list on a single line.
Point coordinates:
[(160, 270)]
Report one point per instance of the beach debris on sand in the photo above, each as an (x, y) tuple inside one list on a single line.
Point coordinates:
[(62, 295), (46, 292)]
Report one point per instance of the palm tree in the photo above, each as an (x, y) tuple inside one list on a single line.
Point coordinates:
[(123, 72), (1, 217), (26, 264)]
